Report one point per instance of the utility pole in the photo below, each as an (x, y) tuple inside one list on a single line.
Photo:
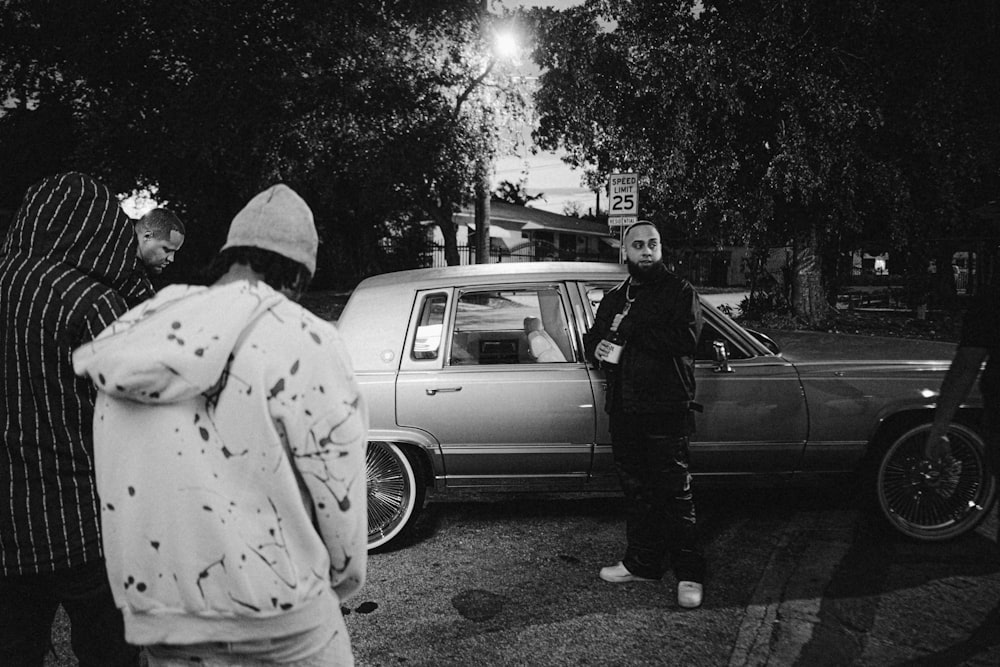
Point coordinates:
[(482, 213), (482, 187)]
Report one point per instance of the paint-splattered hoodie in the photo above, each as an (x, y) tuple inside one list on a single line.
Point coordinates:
[(230, 449)]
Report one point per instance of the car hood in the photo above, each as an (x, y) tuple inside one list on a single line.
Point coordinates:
[(805, 347)]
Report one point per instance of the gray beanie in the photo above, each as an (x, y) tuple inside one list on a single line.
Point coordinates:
[(280, 221)]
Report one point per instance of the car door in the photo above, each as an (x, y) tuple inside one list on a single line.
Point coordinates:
[(754, 419), (501, 416)]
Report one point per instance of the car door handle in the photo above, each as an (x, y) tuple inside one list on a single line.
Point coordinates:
[(431, 392)]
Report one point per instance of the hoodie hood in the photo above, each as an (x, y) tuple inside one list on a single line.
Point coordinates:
[(74, 220), (176, 345)]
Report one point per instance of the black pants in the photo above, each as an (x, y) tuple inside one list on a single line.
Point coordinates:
[(651, 458), (28, 605)]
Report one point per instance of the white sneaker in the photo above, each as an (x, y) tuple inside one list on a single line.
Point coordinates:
[(689, 594), (619, 574)]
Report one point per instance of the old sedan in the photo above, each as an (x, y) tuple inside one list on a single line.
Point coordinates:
[(475, 378)]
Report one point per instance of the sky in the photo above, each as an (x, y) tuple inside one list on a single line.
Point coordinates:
[(546, 173)]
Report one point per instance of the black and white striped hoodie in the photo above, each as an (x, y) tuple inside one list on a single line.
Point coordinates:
[(68, 266)]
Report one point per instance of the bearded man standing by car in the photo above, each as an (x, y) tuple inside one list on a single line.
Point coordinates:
[(655, 318)]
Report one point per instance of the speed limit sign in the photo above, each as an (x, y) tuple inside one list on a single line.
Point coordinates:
[(623, 195)]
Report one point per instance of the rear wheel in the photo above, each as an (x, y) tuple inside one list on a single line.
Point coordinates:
[(396, 491), (930, 502)]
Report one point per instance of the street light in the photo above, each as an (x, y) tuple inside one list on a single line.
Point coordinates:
[(505, 44)]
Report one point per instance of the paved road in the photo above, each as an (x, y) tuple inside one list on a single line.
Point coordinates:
[(795, 578)]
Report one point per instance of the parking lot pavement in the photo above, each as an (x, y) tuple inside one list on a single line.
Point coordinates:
[(785, 605), (919, 604), (796, 578), (852, 594)]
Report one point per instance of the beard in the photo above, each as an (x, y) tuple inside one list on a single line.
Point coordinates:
[(641, 272)]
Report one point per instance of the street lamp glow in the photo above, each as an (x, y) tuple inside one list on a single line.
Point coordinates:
[(505, 44)]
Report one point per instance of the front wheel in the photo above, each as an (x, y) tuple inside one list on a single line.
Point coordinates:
[(395, 492), (934, 503)]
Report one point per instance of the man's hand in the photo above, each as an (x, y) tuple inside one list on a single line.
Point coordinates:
[(602, 351), (615, 323)]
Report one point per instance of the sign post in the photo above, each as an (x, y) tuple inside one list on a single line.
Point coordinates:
[(623, 205)]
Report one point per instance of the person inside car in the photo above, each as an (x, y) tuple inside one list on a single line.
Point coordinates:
[(541, 347)]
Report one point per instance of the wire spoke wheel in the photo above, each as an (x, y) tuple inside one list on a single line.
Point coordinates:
[(929, 501), (393, 492)]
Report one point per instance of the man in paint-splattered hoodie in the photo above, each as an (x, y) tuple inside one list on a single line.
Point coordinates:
[(230, 447)]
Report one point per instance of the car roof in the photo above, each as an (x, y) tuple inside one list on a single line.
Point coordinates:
[(373, 323), (540, 270)]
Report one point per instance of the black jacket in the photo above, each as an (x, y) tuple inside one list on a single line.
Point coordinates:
[(656, 371), (66, 267)]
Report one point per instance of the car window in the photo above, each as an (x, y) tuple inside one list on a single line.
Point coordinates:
[(595, 294), (524, 325), (427, 342)]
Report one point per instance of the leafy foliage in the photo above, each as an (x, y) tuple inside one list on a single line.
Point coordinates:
[(826, 125), (374, 112), (514, 193)]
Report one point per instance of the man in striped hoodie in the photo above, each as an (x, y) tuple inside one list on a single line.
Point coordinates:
[(68, 265)]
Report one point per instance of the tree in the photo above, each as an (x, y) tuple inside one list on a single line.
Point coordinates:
[(46, 51), (767, 122), (940, 131), (573, 209), (367, 109), (514, 193), (483, 102)]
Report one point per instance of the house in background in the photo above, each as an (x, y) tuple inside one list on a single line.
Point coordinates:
[(523, 234)]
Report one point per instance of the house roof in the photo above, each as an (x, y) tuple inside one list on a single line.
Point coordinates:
[(525, 218)]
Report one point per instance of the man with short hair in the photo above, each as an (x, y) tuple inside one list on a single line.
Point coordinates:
[(656, 316), (160, 234), (66, 268), (230, 441)]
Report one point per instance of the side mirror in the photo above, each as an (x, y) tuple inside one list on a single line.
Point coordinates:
[(766, 340), (721, 357)]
